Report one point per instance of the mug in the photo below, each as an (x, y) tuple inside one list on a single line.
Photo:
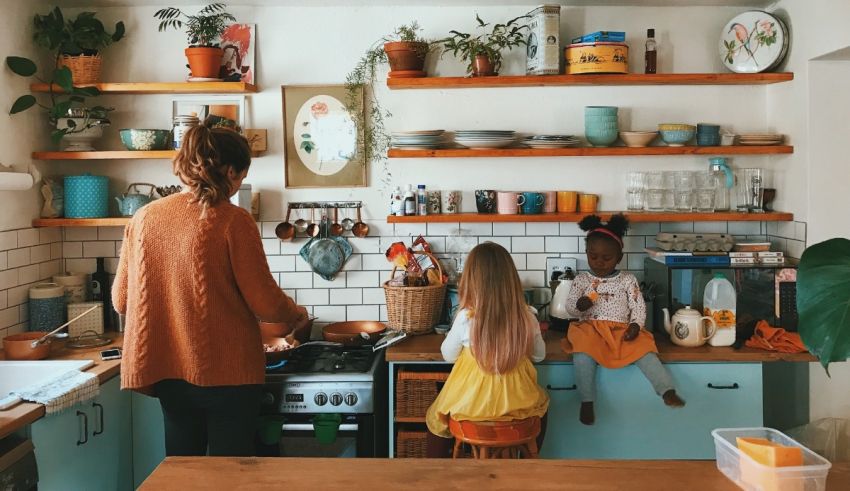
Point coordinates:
[(485, 200), (532, 203), (587, 202), (433, 202), (508, 202), (550, 201), (451, 201), (567, 201)]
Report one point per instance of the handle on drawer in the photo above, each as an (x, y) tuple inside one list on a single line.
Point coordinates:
[(572, 387), (99, 410), (724, 387), (85, 428)]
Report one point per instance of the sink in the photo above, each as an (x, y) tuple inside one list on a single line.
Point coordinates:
[(16, 375)]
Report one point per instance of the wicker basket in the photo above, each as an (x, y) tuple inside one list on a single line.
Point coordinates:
[(415, 309), (411, 444), (415, 391), (85, 69)]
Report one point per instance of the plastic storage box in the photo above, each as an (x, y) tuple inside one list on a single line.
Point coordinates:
[(753, 476)]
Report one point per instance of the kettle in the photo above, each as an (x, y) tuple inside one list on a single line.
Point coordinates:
[(558, 306), (128, 204), (686, 328)]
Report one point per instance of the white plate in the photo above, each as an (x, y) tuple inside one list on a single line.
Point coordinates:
[(753, 42), (203, 79), (418, 133)]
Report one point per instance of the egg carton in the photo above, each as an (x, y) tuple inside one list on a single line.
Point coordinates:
[(694, 242)]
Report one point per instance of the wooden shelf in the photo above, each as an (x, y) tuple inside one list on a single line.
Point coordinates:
[(590, 79), (105, 155), (81, 222), (634, 216), (161, 87), (396, 153)]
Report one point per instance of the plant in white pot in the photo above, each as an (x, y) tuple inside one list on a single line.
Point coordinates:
[(204, 31)]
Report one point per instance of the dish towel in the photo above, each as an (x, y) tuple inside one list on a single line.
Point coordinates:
[(771, 338), (63, 391)]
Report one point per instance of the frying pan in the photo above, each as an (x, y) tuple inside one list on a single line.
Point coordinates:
[(273, 357), (348, 333)]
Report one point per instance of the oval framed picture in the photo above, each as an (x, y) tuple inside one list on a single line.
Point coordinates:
[(753, 42)]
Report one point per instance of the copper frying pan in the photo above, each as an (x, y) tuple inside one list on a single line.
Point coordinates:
[(349, 333)]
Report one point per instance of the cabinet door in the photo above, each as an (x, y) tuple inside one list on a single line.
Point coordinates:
[(111, 436), (61, 460), (559, 382), (148, 436)]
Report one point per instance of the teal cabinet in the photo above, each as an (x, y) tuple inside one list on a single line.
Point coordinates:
[(87, 446), (148, 436)]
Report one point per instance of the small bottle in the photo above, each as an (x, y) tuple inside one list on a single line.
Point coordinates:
[(397, 203), (101, 291), (409, 201), (651, 52), (421, 200)]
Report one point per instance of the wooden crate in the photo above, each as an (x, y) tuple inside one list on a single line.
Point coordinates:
[(411, 444)]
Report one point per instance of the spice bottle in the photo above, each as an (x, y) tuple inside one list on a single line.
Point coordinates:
[(409, 201), (651, 52), (421, 200)]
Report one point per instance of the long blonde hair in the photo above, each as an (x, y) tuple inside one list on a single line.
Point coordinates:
[(490, 289)]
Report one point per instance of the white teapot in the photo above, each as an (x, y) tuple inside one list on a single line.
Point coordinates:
[(687, 327)]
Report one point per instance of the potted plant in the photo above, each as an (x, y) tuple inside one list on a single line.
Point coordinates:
[(405, 51), (483, 53), (203, 30), (77, 42)]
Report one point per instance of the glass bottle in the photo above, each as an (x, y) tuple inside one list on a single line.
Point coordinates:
[(723, 182), (651, 55), (421, 200), (101, 291), (409, 201)]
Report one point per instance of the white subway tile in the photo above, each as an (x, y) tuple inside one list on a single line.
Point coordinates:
[(72, 249), (460, 244), (267, 230), (3, 299), (312, 297), (542, 228), (437, 229), (99, 249), (39, 254), (363, 279), (365, 245), (388, 240), (28, 237), (292, 246), (772, 228), (787, 230), (476, 229), (527, 244), (4, 260), (49, 235), (24, 313), (384, 316), (9, 317), (533, 279), (337, 282), (378, 228), (47, 269), (363, 312), (110, 233), (56, 250), (795, 248), (801, 231), (271, 246), (644, 228), (684, 227), (301, 264), (744, 228), (581, 260), (502, 241), (8, 279), (19, 257), (347, 296), (635, 261), (373, 296), (408, 229), (633, 243), (296, 280), (570, 228), (18, 295), (289, 293), (537, 261), (512, 229), (80, 233), (561, 244), (710, 227), (281, 263), (520, 260), (375, 262), (330, 313), (8, 240), (354, 263), (778, 244), (28, 274)]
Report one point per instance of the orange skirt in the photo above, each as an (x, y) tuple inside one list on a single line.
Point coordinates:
[(603, 341)]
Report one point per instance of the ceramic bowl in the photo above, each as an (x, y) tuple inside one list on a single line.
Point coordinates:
[(600, 110), (19, 346), (676, 135), (601, 138), (638, 138), (139, 139)]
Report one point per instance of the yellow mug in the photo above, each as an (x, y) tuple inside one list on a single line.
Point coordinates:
[(567, 201), (587, 202)]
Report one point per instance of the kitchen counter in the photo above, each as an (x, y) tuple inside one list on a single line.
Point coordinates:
[(28, 412), (181, 473), (427, 348)]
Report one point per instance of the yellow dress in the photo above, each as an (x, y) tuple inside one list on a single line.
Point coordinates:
[(471, 394)]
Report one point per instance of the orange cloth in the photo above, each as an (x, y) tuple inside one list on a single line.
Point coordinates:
[(603, 341), (771, 338), (192, 289)]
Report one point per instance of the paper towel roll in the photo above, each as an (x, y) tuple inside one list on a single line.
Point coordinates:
[(15, 181)]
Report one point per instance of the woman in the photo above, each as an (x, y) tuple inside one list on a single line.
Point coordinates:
[(192, 281)]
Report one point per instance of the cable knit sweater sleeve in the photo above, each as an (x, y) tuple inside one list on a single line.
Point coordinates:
[(251, 269)]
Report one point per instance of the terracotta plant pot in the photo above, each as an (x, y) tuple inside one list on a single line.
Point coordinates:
[(407, 59), (204, 62), (482, 66)]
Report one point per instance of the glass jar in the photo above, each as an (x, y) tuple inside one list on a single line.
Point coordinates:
[(182, 123)]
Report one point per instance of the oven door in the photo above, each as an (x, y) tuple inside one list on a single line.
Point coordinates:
[(298, 439)]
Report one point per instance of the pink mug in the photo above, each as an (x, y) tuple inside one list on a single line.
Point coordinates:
[(550, 203), (508, 202)]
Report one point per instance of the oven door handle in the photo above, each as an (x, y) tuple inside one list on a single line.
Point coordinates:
[(309, 427)]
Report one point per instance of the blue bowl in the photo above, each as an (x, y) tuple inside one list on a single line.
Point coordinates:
[(601, 138), (677, 138), (704, 140), (708, 128), (600, 110)]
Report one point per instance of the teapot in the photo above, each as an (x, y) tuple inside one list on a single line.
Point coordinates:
[(128, 204), (686, 328)]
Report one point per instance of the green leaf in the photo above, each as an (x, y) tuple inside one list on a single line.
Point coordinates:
[(23, 103), (119, 32), (86, 91), (60, 109), (56, 135), (21, 66), (62, 77), (823, 300)]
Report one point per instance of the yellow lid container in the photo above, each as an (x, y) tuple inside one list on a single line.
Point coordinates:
[(597, 58)]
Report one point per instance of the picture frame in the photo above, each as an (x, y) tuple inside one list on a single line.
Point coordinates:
[(321, 139), (225, 107), (238, 42)]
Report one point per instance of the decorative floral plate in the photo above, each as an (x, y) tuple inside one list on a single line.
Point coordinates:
[(753, 42)]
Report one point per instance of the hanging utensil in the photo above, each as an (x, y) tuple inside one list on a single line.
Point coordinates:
[(285, 230), (300, 224), (360, 229), (336, 228), (313, 228), (347, 223)]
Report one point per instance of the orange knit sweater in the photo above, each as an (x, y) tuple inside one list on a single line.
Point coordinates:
[(192, 290)]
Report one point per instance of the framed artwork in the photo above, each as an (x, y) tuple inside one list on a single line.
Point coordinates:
[(320, 138), (238, 44), (229, 111)]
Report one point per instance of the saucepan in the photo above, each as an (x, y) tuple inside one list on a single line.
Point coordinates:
[(354, 333), (277, 349)]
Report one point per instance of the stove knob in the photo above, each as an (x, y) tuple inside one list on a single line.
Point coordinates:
[(320, 399), (351, 398), (268, 399), (336, 398)]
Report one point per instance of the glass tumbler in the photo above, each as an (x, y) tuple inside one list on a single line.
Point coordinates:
[(655, 199), (705, 200), (669, 186), (684, 200), (751, 185)]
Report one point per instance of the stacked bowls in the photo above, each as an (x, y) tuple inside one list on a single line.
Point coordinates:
[(708, 135), (600, 125), (675, 134)]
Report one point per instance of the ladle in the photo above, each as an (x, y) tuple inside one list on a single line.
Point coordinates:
[(285, 230), (360, 229)]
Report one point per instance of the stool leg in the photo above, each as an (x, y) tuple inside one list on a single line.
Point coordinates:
[(532, 449), (483, 452), (457, 449)]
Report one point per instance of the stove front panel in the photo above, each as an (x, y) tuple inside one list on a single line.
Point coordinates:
[(318, 397)]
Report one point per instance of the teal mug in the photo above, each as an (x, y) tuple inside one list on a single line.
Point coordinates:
[(532, 203)]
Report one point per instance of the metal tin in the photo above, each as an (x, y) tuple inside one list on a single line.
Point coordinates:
[(46, 306), (597, 58), (86, 196), (182, 124), (543, 51)]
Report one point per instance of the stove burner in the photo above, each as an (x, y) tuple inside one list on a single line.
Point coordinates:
[(327, 359)]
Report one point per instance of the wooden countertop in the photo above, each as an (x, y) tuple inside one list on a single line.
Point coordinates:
[(427, 348), (184, 473), (26, 413)]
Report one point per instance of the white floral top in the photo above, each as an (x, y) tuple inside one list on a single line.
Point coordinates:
[(618, 298)]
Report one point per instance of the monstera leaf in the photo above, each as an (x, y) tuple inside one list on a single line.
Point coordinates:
[(823, 300)]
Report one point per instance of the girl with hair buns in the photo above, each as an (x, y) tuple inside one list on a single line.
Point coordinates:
[(192, 281), (611, 313)]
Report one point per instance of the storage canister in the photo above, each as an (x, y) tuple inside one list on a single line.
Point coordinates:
[(543, 51), (93, 321), (75, 284), (182, 123), (597, 58), (86, 196), (46, 306)]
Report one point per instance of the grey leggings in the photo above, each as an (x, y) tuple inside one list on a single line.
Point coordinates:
[(649, 364)]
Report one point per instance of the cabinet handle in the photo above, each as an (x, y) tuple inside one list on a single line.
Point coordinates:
[(724, 387), (99, 410), (572, 387), (85, 428)]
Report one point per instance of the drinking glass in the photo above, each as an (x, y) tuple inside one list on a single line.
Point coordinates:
[(705, 200), (654, 180), (684, 200), (750, 189), (704, 180), (655, 199), (684, 180), (634, 200), (635, 181), (669, 186)]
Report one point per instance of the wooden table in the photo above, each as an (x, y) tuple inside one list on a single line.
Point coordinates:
[(186, 473)]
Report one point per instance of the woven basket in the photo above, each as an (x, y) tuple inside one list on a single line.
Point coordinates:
[(416, 391), (85, 69), (415, 309), (411, 444)]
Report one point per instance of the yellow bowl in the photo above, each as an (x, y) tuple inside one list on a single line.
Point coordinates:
[(676, 127)]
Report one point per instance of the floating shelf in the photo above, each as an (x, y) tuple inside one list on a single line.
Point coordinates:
[(775, 216), (396, 153), (162, 87), (105, 155), (590, 79), (81, 222)]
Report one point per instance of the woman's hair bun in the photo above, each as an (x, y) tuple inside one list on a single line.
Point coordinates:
[(590, 222)]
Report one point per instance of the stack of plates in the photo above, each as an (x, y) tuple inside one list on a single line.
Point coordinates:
[(484, 138), (760, 139), (551, 141), (417, 140)]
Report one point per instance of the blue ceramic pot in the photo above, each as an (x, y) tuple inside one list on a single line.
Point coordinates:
[(600, 111)]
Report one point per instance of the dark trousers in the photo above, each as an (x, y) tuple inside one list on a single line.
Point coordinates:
[(219, 421), (437, 447)]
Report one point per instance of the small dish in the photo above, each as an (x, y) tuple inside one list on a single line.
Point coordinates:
[(638, 138), (442, 330)]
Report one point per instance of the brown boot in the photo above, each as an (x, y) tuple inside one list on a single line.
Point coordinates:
[(672, 399), (586, 415)]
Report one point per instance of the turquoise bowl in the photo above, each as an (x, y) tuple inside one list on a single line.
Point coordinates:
[(677, 138), (143, 139), (601, 138), (600, 110)]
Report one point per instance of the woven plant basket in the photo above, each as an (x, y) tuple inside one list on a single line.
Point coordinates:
[(415, 309), (416, 391), (85, 69), (411, 444)]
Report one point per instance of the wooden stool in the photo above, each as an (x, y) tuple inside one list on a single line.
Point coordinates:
[(497, 439)]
